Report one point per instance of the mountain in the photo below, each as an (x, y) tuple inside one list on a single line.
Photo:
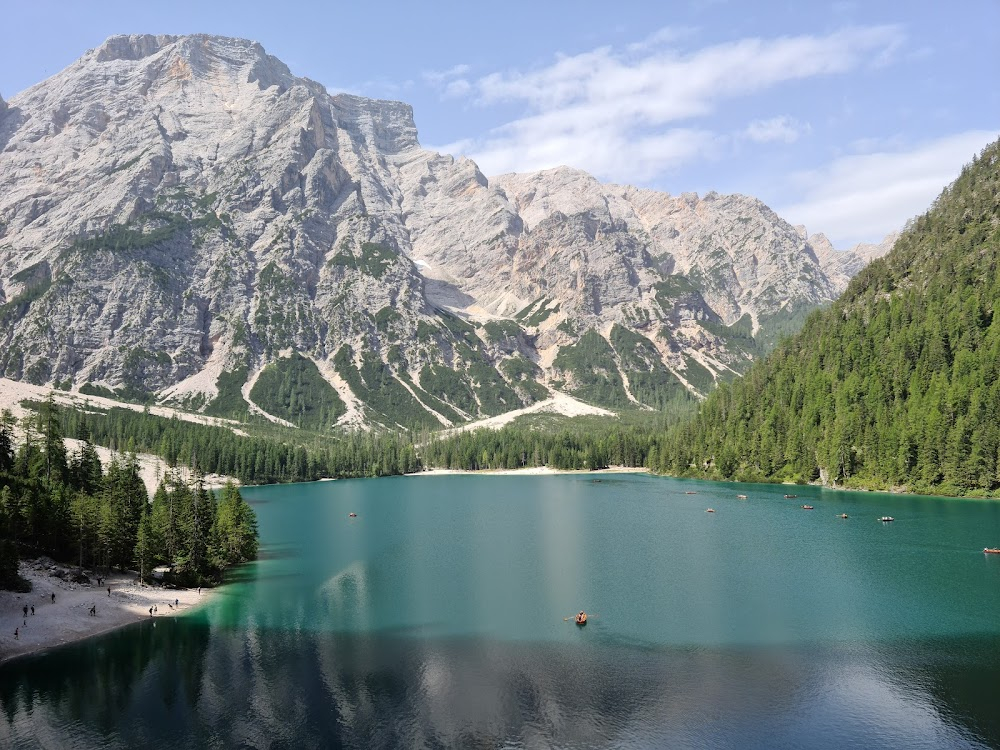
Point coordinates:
[(182, 219), (842, 266), (897, 384)]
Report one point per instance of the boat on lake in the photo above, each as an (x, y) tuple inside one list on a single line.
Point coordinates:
[(710, 510), (807, 507), (789, 497), (741, 497), (886, 519), (842, 515), (581, 619), (991, 550)]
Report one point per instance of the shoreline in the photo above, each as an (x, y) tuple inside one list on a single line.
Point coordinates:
[(529, 471), (68, 620), (546, 471)]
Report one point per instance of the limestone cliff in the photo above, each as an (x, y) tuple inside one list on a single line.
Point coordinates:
[(179, 213)]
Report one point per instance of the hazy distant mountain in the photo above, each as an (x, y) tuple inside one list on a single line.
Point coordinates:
[(182, 217)]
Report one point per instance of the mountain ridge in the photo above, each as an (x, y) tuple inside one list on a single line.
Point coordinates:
[(175, 209)]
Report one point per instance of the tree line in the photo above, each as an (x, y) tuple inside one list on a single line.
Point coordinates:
[(287, 456)]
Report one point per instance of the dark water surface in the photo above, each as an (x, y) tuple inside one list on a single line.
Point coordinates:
[(435, 619)]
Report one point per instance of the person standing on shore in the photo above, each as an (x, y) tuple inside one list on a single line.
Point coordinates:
[(32, 610), (53, 597), (109, 591), (25, 610), (150, 611), (17, 636)]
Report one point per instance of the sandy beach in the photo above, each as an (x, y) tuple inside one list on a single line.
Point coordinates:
[(68, 618)]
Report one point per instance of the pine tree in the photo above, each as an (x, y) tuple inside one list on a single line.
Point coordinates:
[(145, 544), (235, 528)]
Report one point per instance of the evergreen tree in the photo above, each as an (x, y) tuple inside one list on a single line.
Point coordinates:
[(235, 528), (145, 544)]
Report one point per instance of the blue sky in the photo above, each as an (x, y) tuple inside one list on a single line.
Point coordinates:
[(848, 117)]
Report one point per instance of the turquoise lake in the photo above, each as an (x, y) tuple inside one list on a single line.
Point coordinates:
[(435, 619)]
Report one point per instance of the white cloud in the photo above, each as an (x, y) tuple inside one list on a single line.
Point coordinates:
[(784, 129), (863, 197), (451, 82), (601, 151), (439, 77), (661, 37), (598, 109), (456, 88)]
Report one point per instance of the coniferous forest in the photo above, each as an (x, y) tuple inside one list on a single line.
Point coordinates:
[(67, 506), (896, 385)]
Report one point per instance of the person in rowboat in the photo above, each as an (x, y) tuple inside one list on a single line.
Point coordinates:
[(581, 618)]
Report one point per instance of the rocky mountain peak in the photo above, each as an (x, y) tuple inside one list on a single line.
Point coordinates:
[(131, 46), (840, 266), (178, 214), (388, 126)]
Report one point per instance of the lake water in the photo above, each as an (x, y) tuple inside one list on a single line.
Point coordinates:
[(435, 619)]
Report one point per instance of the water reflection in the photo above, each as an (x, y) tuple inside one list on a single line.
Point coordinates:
[(262, 687)]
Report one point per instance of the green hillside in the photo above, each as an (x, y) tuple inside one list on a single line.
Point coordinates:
[(294, 389), (895, 385)]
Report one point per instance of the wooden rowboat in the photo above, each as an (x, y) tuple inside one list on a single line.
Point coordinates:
[(581, 619), (992, 550)]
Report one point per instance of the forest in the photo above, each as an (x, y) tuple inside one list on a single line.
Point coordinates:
[(67, 506), (896, 385)]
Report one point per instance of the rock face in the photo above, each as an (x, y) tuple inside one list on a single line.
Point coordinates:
[(841, 266), (178, 212)]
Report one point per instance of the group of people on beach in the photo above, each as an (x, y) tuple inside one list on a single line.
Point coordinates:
[(92, 611), (24, 609)]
